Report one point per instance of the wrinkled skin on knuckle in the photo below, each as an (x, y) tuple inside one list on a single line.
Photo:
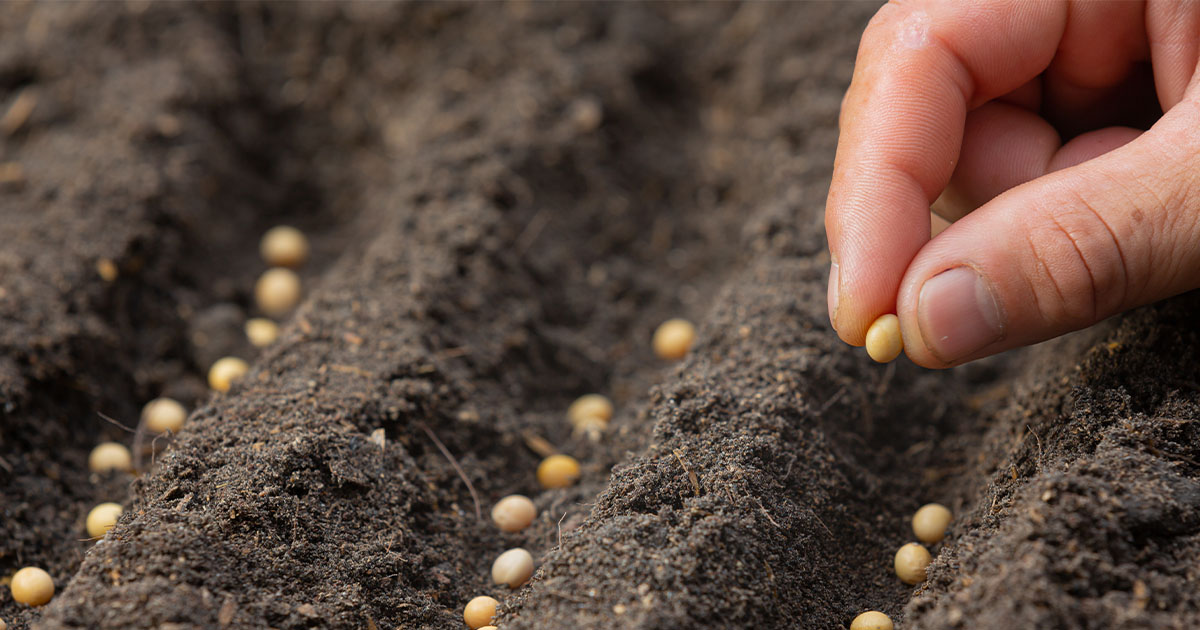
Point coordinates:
[(1072, 267)]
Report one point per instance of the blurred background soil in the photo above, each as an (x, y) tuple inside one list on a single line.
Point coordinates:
[(504, 200)]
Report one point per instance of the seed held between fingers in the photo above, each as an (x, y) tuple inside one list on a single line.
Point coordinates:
[(910, 563), (31, 586), (479, 611), (872, 620), (884, 341), (930, 522)]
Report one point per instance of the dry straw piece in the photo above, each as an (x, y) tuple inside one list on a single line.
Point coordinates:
[(513, 567), (261, 331), (930, 522), (102, 518), (110, 456), (225, 371), (284, 246), (479, 611), (558, 471), (31, 586), (673, 339), (514, 513), (884, 341), (163, 414), (910, 563), (872, 620), (277, 291)]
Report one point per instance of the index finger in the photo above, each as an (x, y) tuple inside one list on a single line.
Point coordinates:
[(921, 67)]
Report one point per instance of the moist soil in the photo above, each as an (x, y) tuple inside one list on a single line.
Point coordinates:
[(503, 201)]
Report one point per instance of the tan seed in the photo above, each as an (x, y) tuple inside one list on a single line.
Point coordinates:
[(558, 471), (284, 246), (261, 331), (163, 414), (102, 518), (479, 611), (31, 586), (3, 625), (673, 339), (513, 567), (871, 620), (514, 513), (277, 291), (884, 341), (930, 522), (225, 371), (589, 406), (910, 563), (110, 456)]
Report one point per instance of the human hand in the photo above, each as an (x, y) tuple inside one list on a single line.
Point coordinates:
[(963, 103)]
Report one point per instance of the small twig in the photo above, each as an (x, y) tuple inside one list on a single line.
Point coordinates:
[(691, 473), (457, 468), (560, 520), (823, 525), (767, 514), (114, 421), (1039, 443), (832, 401)]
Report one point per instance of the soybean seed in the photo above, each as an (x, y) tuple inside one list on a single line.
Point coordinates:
[(277, 291), (884, 342), (558, 471), (513, 567), (163, 414), (930, 522), (31, 586), (102, 518), (261, 331), (590, 406), (3, 625), (910, 563), (673, 339), (284, 246), (479, 611), (514, 513), (110, 456), (871, 620), (225, 371)]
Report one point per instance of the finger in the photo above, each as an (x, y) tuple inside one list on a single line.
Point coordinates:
[(1089, 145), (921, 67), (1003, 146), (1063, 251), (1174, 34)]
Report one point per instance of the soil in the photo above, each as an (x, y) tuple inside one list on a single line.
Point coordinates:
[(503, 201)]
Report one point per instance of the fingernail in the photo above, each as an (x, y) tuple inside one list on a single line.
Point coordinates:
[(958, 314), (831, 297)]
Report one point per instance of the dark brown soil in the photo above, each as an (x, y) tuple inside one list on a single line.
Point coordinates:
[(504, 200)]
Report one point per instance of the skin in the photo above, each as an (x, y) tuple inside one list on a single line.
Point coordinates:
[(964, 107)]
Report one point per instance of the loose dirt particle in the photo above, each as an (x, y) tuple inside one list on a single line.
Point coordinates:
[(514, 513), (32, 586), (225, 371), (872, 620), (673, 339), (102, 518), (277, 291), (884, 342), (107, 270), (284, 246), (479, 611), (513, 567), (261, 331), (930, 522), (558, 471), (910, 563), (589, 406), (110, 456), (163, 414)]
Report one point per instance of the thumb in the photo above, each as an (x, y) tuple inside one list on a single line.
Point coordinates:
[(1061, 252)]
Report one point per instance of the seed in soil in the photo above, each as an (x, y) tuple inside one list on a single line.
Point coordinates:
[(884, 342), (3, 625), (911, 561), (284, 246), (479, 611), (513, 567), (592, 427), (102, 518), (930, 522), (514, 513), (558, 471), (261, 331), (225, 371), (31, 586), (589, 406), (110, 456), (163, 414), (871, 620), (483, 628), (277, 291), (673, 339)]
